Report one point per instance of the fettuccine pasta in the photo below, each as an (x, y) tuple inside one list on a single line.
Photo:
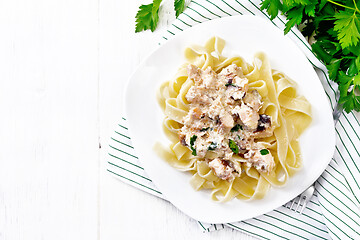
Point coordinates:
[(245, 159)]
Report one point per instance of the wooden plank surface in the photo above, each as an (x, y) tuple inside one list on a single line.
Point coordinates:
[(49, 159)]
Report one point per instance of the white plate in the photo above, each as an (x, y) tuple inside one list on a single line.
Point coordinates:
[(244, 36)]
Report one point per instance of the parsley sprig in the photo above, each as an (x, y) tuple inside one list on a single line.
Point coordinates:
[(335, 25), (147, 16)]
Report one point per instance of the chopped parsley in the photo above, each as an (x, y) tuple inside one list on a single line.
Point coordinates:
[(230, 84), (212, 146), (204, 129), (236, 128), (233, 146), (192, 141), (264, 151)]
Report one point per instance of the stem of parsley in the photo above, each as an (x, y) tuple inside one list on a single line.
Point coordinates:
[(341, 5), (357, 9)]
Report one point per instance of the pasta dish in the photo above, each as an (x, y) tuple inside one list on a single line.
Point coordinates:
[(234, 126)]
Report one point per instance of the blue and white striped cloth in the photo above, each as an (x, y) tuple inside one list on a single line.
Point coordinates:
[(333, 212)]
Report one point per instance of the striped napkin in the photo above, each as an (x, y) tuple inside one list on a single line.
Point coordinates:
[(333, 212)]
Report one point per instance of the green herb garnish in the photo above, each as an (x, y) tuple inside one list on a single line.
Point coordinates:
[(212, 146), (147, 16), (204, 129), (192, 141), (230, 84), (233, 146), (179, 6), (335, 25), (236, 128), (264, 151)]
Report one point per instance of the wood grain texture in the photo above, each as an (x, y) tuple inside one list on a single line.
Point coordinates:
[(49, 126)]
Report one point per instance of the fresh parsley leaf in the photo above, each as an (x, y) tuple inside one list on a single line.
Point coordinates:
[(310, 10), (264, 151), (347, 24), (179, 6), (350, 102), (294, 16), (192, 141), (288, 4), (236, 128), (356, 80), (143, 18), (272, 7), (352, 70), (212, 146), (147, 16), (322, 4), (320, 52), (357, 62), (344, 83), (333, 68), (233, 146), (347, 86), (333, 48), (354, 50)]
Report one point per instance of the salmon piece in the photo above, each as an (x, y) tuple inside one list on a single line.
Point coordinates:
[(261, 159), (196, 113), (197, 94), (248, 116), (253, 100), (222, 169), (226, 120), (242, 83), (194, 73)]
